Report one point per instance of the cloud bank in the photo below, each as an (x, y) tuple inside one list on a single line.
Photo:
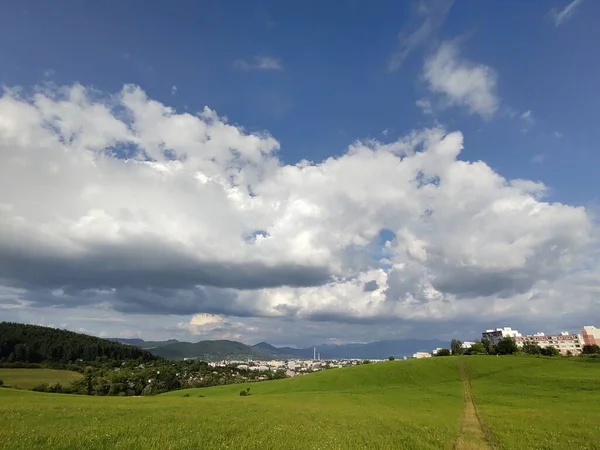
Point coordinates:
[(120, 202)]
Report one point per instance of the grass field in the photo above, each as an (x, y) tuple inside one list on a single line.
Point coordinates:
[(524, 403), (538, 403), (30, 378)]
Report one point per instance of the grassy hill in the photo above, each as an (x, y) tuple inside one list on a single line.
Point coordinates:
[(524, 403), (542, 403), (30, 378)]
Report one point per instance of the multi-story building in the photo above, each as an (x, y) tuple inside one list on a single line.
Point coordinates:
[(498, 334), (563, 342), (591, 335)]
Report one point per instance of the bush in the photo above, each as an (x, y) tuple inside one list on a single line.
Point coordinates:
[(1, 382), (245, 392), (532, 348), (42, 387), (591, 350), (391, 358), (443, 352), (550, 351), (186, 395), (507, 346)]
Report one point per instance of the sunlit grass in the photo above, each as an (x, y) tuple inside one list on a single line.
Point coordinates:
[(396, 405), (30, 378), (525, 403), (538, 403)]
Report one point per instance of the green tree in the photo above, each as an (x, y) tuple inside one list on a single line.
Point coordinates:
[(591, 350), (531, 348), (507, 346), (488, 346), (456, 347), (476, 349), (550, 351), (443, 352), (391, 358)]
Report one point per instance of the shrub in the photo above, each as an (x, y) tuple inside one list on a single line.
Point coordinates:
[(550, 351), (245, 392), (186, 395), (591, 350), (1, 382), (443, 352), (42, 387), (507, 346)]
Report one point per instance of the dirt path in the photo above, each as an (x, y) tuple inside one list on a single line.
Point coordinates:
[(472, 435)]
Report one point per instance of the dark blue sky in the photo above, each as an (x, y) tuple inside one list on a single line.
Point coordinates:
[(335, 86)]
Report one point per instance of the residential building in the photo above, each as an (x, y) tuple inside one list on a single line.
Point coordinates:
[(467, 344), (420, 355), (563, 342), (498, 334), (591, 335)]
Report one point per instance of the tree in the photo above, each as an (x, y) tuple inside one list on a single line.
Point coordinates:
[(456, 347), (1, 382), (391, 358), (550, 351), (443, 352), (488, 346), (591, 350), (476, 349), (531, 348), (507, 346)]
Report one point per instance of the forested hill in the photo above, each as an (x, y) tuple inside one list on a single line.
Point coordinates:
[(37, 344)]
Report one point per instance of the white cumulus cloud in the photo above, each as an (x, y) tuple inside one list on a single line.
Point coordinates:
[(462, 82), (120, 202)]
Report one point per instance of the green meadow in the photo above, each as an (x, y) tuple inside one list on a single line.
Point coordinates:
[(30, 378), (538, 403), (522, 403)]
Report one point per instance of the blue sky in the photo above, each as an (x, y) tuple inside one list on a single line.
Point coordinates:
[(517, 79), (334, 86)]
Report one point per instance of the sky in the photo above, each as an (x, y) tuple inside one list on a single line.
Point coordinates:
[(300, 173)]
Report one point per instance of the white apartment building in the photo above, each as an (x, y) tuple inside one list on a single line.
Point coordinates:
[(420, 355), (496, 335), (563, 342)]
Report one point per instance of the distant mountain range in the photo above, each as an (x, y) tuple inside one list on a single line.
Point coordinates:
[(223, 349)]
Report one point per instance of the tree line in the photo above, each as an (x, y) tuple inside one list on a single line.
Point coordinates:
[(20, 343), (132, 379), (508, 346), (109, 368)]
